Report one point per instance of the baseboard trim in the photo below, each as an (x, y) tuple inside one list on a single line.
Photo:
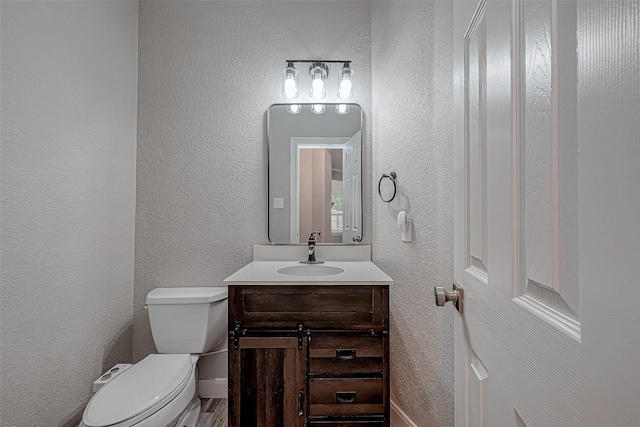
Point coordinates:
[(213, 388), (399, 418)]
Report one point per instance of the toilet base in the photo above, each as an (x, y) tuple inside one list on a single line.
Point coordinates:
[(190, 416)]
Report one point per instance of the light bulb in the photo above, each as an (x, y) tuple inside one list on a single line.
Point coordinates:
[(290, 82), (294, 108), (318, 73), (290, 88), (317, 108), (342, 108), (345, 77), (345, 88), (317, 87)]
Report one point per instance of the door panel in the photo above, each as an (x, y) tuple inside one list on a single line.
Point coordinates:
[(517, 345), (547, 162), (609, 201), (476, 78), (352, 198), (271, 372), (478, 377)]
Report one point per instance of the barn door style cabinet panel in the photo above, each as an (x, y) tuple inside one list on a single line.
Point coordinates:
[(308, 355)]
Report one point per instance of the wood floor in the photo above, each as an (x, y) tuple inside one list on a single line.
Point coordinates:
[(213, 413)]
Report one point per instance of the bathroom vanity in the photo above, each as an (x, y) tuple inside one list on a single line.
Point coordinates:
[(309, 345)]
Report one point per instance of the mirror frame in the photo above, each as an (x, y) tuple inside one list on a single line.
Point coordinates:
[(269, 197)]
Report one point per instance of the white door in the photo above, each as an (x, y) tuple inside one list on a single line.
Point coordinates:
[(547, 213), (295, 145), (518, 352), (352, 189)]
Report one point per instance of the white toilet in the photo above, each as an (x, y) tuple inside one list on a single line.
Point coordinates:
[(160, 390)]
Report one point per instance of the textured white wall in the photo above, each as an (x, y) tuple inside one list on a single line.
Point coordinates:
[(412, 136), (69, 82), (208, 71)]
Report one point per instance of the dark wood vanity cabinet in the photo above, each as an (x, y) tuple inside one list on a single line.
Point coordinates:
[(307, 355)]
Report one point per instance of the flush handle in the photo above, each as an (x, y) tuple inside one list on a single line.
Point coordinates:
[(456, 297)]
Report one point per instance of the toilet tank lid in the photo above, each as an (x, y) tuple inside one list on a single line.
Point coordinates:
[(186, 295)]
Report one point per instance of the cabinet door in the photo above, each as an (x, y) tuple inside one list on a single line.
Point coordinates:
[(267, 382)]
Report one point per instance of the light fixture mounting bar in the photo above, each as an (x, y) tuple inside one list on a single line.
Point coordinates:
[(310, 61)]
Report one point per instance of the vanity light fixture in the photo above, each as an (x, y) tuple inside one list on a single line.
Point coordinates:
[(290, 82), (318, 74), (345, 86), (317, 108), (294, 108), (342, 108)]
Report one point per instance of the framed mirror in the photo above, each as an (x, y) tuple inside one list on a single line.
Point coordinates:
[(315, 173)]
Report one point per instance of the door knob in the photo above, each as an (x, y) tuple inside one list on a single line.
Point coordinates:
[(456, 297)]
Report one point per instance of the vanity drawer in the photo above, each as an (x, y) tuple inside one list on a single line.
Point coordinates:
[(345, 396), (345, 354), (360, 307)]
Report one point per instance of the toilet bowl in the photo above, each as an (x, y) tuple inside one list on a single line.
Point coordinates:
[(160, 390)]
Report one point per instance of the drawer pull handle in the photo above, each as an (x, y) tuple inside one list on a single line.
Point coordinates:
[(346, 396), (345, 354)]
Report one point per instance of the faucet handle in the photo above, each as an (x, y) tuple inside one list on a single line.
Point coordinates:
[(314, 233)]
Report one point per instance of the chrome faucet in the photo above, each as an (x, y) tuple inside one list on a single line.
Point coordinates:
[(311, 246)]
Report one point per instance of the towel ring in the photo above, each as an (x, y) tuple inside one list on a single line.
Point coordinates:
[(392, 177)]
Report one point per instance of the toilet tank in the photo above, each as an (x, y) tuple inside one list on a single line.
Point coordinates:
[(187, 320)]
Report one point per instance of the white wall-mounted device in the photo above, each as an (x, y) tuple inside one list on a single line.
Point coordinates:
[(404, 225)]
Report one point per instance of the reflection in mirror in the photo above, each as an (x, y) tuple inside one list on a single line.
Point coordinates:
[(315, 174)]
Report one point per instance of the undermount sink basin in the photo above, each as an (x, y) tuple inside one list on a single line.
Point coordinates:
[(310, 270)]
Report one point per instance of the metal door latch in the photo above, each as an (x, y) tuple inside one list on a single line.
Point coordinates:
[(456, 297)]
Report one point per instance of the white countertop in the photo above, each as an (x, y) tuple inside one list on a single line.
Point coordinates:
[(265, 273)]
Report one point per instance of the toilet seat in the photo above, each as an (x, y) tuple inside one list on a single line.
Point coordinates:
[(142, 390)]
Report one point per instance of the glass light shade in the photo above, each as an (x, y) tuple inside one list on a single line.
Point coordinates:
[(318, 73), (294, 108), (345, 83), (342, 108), (317, 108), (290, 82)]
